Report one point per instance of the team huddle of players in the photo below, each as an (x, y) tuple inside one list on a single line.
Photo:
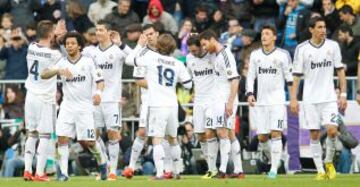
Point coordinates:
[(91, 83)]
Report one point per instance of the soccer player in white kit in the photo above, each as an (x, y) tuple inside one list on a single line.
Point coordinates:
[(40, 112), (109, 57), (163, 73), (201, 67), (272, 68), (76, 117), (316, 59), (139, 74), (225, 104)]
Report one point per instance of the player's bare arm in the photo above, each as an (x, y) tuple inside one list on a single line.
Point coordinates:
[(294, 104), (342, 81), (99, 89), (49, 73), (233, 91)]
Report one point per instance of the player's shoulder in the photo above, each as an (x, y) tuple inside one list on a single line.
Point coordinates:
[(146, 51), (256, 51), (282, 51), (303, 45), (331, 42)]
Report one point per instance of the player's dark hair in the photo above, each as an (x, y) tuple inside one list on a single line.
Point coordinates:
[(193, 40), (166, 44), (314, 20), (347, 9), (269, 27), (44, 29), (106, 24), (207, 35), (149, 26), (346, 28), (79, 38)]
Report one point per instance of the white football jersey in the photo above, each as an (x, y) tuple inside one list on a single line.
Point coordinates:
[(203, 75), (225, 69), (162, 74), (110, 61), (317, 64), (271, 70), (39, 58), (78, 91)]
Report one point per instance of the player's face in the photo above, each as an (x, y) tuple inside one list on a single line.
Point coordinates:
[(195, 50), (101, 33), (319, 30), (342, 36), (267, 37), (208, 45), (72, 46), (151, 36)]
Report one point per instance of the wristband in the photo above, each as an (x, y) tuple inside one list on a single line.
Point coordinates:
[(98, 92), (343, 95)]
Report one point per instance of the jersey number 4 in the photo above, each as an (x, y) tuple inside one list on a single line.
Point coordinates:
[(166, 75), (34, 70)]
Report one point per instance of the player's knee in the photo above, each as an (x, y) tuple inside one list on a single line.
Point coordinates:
[(63, 140), (210, 134), (263, 137), (275, 134), (314, 134), (332, 131), (222, 133), (113, 134), (202, 137)]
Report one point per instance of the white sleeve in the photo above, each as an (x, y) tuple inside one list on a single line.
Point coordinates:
[(139, 72), (337, 56), (287, 68), (131, 58), (298, 66), (230, 66), (96, 73), (125, 48), (250, 79), (185, 77)]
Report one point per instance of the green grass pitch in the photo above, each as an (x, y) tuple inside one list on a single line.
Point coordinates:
[(194, 181)]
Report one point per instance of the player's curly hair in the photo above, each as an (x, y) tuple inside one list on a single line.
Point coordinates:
[(166, 44), (79, 38)]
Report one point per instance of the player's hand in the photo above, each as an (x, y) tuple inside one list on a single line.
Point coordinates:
[(251, 100), (229, 109), (65, 73), (294, 106), (60, 28), (342, 103), (142, 40), (96, 99), (115, 37), (358, 98)]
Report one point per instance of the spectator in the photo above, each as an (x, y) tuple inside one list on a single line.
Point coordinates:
[(50, 10), (249, 43), (354, 4), (349, 18), (6, 25), (2, 64), (350, 47), (30, 33), (90, 37), (23, 11), (122, 16), (201, 21), (14, 103), (15, 56), (219, 22), (287, 22), (77, 18), (264, 12), (99, 9), (156, 13), (133, 33), (188, 142), (331, 16), (232, 38), (241, 10), (186, 29)]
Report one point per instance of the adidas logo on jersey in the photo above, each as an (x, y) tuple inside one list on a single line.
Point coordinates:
[(203, 72), (322, 64), (269, 70), (106, 66), (78, 78)]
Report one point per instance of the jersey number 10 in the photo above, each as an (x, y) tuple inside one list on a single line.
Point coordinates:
[(167, 74)]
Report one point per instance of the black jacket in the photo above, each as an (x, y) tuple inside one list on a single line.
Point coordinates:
[(349, 53)]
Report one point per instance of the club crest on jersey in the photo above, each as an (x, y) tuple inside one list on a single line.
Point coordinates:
[(229, 72)]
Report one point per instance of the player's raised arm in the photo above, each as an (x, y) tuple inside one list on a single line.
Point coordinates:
[(250, 79), (131, 58)]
